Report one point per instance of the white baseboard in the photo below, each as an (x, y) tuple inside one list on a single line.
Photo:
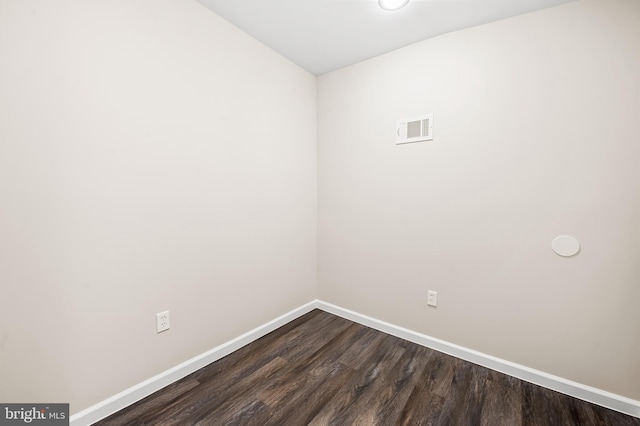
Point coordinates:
[(146, 388), (549, 381), (136, 393)]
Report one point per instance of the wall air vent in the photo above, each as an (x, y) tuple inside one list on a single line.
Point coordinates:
[(415, 129)]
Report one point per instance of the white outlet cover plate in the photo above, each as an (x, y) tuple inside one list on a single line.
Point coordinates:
[(432, 298), (162, 321)]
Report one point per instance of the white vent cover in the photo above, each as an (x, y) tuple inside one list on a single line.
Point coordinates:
[(415, 129)]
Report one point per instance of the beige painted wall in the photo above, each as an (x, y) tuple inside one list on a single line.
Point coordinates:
[(144, 167), (536, 135), (152, 157)]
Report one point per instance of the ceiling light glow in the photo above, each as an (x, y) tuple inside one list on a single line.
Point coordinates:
[(392, 4)]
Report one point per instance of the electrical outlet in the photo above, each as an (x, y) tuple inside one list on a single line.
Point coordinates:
[(432, 298), (162, 321)]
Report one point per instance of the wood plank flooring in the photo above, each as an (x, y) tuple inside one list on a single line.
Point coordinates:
[(321, 369)]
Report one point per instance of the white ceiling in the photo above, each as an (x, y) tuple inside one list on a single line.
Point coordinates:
[(324, 35)]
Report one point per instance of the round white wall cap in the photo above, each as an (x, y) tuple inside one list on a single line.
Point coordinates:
[(565, 245)]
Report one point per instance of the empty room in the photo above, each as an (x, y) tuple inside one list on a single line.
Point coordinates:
[(339, 212)]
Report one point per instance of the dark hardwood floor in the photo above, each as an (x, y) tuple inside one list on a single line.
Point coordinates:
[(321, 369)]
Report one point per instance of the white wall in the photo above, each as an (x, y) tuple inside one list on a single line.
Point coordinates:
[(536, 135), (152, 157)]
